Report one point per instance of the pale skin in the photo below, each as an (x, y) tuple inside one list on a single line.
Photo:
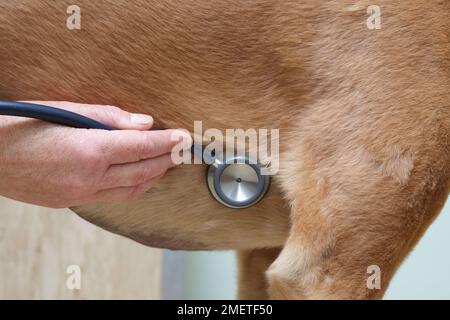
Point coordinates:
[(56, 166)]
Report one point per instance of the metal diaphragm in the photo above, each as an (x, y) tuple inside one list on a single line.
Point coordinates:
[(237, 183)]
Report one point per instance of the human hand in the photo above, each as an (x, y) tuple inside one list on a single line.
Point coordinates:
[(56, 166)]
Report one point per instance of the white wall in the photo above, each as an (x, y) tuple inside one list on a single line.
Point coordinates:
[(426, 272), (424, 275), (209, 275)]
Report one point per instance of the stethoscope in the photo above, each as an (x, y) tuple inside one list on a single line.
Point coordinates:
[(235, 181)]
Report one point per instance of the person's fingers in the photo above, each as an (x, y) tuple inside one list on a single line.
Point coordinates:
[(122, 194), (132, 146), (109, 115), (133, 174)]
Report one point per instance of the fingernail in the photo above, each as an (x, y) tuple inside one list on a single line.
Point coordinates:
[(141, 119)]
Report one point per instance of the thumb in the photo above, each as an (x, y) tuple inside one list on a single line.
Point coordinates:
[(109, 115)]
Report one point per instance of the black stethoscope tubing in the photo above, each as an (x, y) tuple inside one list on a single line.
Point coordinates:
[(50, 114)]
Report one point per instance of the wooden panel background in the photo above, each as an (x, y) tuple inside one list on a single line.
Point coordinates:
[(37, 245)]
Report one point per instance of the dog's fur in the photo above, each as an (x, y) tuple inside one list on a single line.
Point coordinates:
[(364, 118)]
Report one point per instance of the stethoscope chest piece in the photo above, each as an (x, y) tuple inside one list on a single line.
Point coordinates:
[(237, 182)]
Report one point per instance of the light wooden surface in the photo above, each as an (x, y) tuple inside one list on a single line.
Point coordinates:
[(37, 245)]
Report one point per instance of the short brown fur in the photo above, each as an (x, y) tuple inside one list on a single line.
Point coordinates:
[(364, 118)]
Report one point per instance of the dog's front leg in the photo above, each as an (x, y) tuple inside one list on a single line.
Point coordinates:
[(356, 213)]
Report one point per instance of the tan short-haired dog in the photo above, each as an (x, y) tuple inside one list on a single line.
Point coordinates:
[(364, 118)]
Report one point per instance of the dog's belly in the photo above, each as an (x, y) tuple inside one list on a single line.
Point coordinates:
[(179, 213)]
